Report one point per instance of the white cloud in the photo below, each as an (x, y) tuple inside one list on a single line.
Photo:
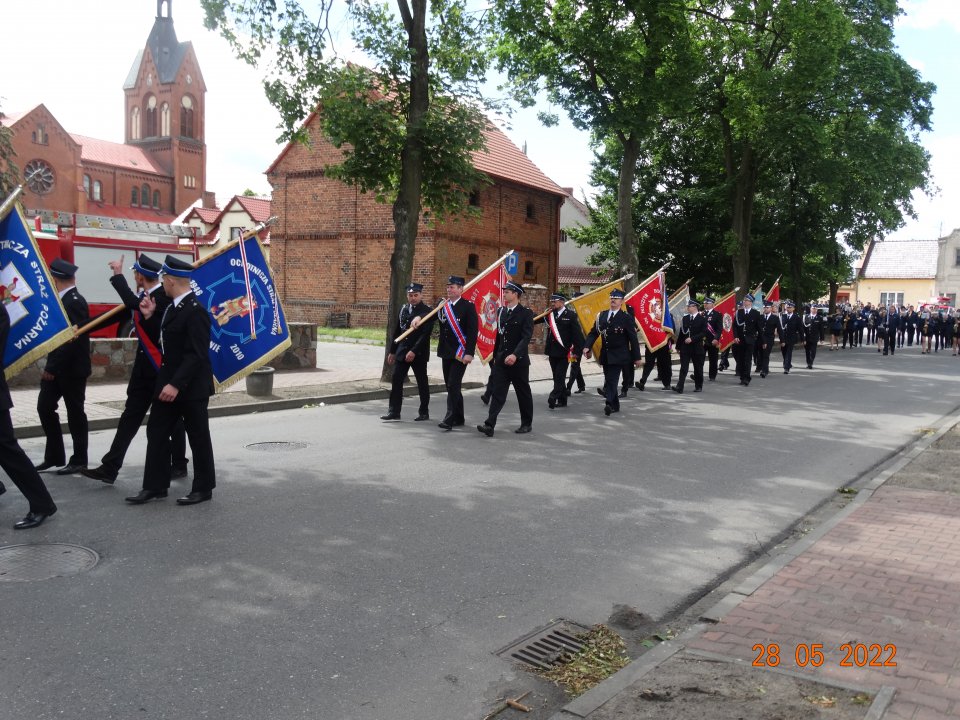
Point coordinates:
[(938, 215), (927, 14)]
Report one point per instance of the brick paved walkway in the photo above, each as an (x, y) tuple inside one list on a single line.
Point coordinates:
[(889, 575)]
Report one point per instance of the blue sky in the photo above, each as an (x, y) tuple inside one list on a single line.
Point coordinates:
[(75, 61)]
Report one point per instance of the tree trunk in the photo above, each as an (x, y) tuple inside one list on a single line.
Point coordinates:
[(834, 287), (744, 190), (625, 230), (406, 208)]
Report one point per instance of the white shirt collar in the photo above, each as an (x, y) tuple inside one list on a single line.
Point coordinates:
[(178, 298), (149, 290), (64, 292)]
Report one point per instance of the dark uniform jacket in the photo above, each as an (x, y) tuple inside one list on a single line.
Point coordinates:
[(620, 343), (466, 315), (72, 359), (714, 326), (813, 328), (185, 341), (571, 336), (770, 328), (891, 322), (694, 328), (514, 332), (143, 367), (417, 342), (746, 325), (5, 401), (791, 329)]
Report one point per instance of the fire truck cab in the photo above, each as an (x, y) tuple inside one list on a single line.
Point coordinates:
[(91, 241)]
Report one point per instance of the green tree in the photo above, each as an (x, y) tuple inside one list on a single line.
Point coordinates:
[(9, 172), (615, 67), (406, 127)]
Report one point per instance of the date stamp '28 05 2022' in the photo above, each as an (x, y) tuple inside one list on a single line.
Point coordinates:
[(812, 655)]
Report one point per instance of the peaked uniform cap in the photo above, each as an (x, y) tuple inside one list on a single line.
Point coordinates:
[(62, 269)]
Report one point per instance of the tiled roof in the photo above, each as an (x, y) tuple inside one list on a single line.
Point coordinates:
[(901, 259), (257, 208), (207, 215), (9, 119), (504, 160), (581, 275), (128, 157)]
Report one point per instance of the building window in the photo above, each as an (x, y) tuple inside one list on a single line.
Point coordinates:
[(97, 190), (135, 123), (528, 270), (236, 233), (145, 195), (135, 196), (189, 181), (475, 198), (165, 120), (891, 298), (956, 258), (531, 215), (39, 176), (150, 117), (473, 261), (186, 117), (86, 185), (39, 136), (563, 236), (156, 199)]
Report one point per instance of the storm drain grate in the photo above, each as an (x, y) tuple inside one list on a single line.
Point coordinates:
[(276, 446), (42, 561), (543, 649)]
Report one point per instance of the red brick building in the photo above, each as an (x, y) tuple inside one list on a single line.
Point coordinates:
[(160, 168), (331, 247)]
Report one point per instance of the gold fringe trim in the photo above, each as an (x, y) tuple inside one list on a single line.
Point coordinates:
[(44, 348), (258, 363)]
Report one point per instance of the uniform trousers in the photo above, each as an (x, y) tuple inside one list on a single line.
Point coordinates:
[(20, 470), (163, 419), (139, 398), (764, 365), (453, 371), (744, 355), (558, 366), (811, 351), (693, 353), (890, 343), (713, 355), (661, 359), (73, 390), (787, 351), (910, 332), (576, 376), (501, 378), (611, 384), (401, 369)]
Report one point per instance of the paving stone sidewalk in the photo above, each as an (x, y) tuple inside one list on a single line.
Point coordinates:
[(878, 594)]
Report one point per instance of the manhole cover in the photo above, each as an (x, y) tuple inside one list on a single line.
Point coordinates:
[(275, 446), (543, 648), (40, 561)]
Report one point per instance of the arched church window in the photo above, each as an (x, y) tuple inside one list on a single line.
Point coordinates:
[(135, 123), (186, 117), (165, 120), (150, 116)]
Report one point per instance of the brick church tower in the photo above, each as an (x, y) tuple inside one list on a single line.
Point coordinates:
[(164, 108)]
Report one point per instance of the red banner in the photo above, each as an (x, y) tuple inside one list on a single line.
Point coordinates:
[(486, 296), (727, 307), (647, 301), (774, 294)]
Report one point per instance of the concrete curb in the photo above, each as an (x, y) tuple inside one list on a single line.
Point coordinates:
[(256, 406), (593, 699)]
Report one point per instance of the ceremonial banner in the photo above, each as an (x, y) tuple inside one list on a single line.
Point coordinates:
[(486, 295), (589, 305), (647, 301), (774, 294), (727, 307), (38, 322), (678, 303), (242, 337)]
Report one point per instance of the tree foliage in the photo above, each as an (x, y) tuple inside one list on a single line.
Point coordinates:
[(9, 172)]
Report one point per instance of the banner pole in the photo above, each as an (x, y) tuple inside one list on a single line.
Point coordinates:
[(592, 292), (11, 200), (679, 290), (466, 287)]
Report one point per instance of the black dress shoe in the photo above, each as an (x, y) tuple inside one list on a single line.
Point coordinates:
[(485, 429), (577, 392), (33, 519), (523, 430), (786, 372), (678, 390), (601, 391), (71, 469), (100, 473), (445, 425), (194, 498), (699, 389), (2, 489), (46, 466), (568, 392), (458, 423), (607, 409), (623, 394), (421, 417), (640, 386), (551, 403), (485, 399), (763, 374), (809, 367), (178, 473), (390, 416), (145, 496)]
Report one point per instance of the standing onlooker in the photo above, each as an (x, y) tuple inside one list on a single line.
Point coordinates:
[(65, 376)]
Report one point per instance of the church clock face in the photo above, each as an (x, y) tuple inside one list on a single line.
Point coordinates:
[(39, 176)]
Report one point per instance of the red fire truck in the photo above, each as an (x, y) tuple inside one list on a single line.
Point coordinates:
[(91, 241)]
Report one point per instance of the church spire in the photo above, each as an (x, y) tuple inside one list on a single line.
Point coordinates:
[(169, 4)]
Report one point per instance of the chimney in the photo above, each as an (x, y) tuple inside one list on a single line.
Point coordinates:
[(209, 200)]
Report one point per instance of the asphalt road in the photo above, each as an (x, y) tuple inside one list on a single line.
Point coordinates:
[(371, 574)]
